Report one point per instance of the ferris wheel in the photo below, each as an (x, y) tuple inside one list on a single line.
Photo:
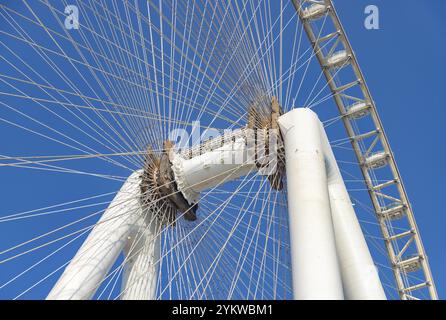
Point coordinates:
[(196, 150)]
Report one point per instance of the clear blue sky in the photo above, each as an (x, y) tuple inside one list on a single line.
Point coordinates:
[(403, 65)]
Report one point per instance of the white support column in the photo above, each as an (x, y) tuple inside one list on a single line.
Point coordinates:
[(359, 274), (84, 274), (316, 272), (142, 254)]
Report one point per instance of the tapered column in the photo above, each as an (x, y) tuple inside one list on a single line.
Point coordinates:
[(315, 267), (359, 274), (141, 267), (85, 273)]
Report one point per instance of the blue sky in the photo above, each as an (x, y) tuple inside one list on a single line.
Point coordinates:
[(403, 65)]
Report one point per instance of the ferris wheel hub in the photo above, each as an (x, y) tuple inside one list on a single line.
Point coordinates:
[(159, 190)]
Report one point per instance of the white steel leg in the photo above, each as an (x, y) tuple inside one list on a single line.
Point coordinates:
[(84, 274), (316, 273), (359, 274), (142, 255)]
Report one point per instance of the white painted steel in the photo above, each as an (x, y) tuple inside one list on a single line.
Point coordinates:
[(84, 274), (360, 278), (330, 257), (406, 284), (359, 274), (212, 168), (315, 266), (142, 254)]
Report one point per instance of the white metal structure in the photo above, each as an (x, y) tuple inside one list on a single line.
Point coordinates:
[(327, 238), (371, 147), (330, 257), (123, 226), (263, 211)]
